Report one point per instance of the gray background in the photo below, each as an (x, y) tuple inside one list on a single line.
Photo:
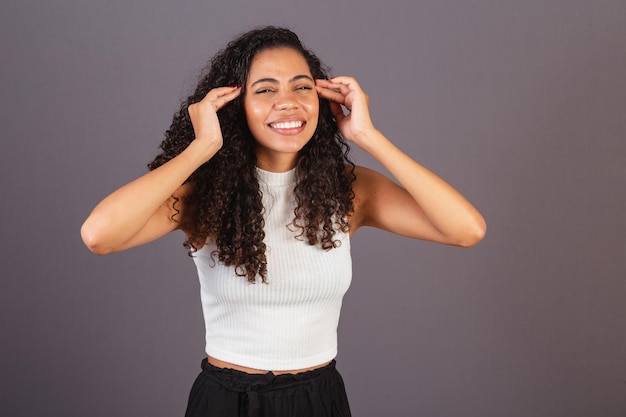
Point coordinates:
[(519, 104)]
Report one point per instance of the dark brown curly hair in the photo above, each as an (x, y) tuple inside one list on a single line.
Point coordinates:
[(225, 203)]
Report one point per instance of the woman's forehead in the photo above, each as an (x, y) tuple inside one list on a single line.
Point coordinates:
[(283, 62)]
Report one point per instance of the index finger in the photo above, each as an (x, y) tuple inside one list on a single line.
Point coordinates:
[(220, 96), (344, 81), (331, 94), (343, 89)]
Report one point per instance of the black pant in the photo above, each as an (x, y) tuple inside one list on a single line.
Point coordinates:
[(229, 393)]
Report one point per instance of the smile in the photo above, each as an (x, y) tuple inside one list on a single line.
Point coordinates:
[(287, 125)]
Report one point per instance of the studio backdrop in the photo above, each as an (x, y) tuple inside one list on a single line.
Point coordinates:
[(521, 105)]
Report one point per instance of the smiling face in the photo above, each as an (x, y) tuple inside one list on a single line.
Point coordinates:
[(281, 106)]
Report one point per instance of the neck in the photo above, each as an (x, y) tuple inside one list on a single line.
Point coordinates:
[(278, 163)]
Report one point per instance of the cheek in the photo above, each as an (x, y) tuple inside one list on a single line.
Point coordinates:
[(312, 107), (315, 112), (253, 114)]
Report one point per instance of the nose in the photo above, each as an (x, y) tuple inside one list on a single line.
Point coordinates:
[(286, 101)]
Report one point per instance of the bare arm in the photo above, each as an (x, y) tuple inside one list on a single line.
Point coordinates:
[(425, 206), (144, 210)]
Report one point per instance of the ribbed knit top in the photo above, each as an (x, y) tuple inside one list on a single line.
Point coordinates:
[(290, 322)]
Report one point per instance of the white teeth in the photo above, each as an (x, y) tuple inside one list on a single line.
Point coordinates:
[(287, 125)]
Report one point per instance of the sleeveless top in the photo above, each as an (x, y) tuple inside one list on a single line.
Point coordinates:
[(291, 321)]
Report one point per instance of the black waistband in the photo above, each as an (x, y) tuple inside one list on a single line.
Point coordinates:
[(256, 391), (244, 382)]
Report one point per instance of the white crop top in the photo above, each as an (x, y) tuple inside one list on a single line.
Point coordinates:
[(290, 322)]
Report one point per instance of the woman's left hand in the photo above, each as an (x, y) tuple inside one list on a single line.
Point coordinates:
[(345, 91), (423, 206)]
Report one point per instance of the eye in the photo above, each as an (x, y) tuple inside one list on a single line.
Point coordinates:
[(304, 87), (263, 90)]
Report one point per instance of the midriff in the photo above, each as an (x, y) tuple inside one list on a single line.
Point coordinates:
[(221, 364)]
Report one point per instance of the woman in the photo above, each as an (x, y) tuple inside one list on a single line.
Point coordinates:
[(254, 170)]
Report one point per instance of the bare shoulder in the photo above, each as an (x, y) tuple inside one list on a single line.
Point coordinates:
[(368, 187), (382, 203), (370, 183), (367, 176)]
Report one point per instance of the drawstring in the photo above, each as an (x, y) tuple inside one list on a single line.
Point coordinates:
[(250, 386), (254, 405)]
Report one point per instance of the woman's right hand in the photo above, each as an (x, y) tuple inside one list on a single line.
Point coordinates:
[(143, 210), (204, 119)]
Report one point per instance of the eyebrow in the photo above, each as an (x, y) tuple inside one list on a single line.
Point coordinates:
[(275, 81)]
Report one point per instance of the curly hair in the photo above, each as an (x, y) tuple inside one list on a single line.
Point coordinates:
[(225, 202)]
